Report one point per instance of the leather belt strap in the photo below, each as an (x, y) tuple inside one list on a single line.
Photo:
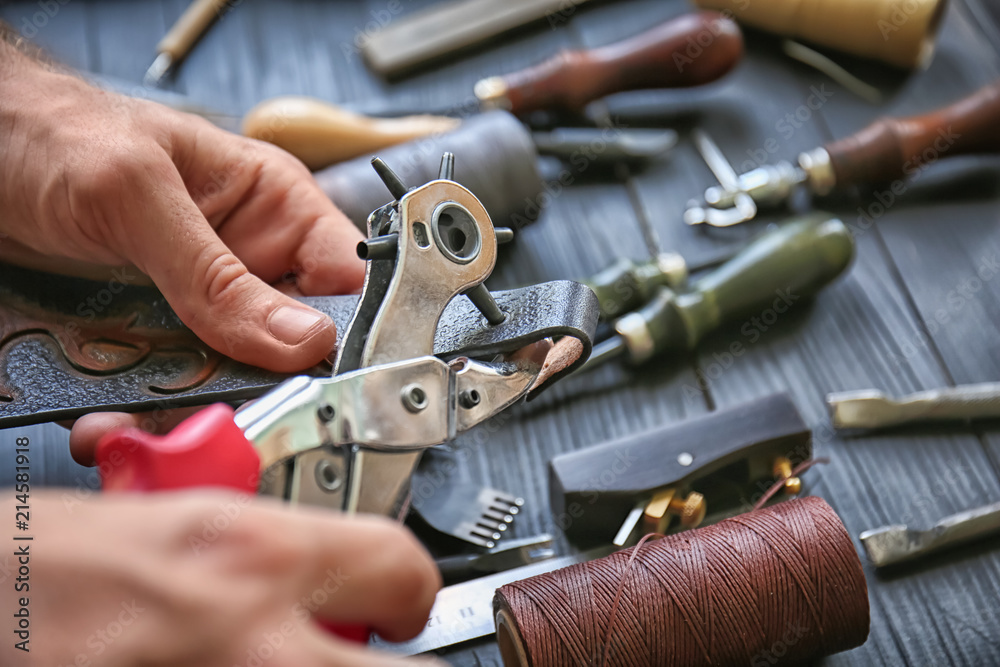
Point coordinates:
[(63, 355)]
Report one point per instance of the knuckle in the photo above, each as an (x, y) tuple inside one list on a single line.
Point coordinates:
[(224, 278), (414, 579)]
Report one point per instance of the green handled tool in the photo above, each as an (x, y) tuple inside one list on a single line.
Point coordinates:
[(799, 258)]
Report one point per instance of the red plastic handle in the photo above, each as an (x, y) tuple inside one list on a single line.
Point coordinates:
[(206, 449)]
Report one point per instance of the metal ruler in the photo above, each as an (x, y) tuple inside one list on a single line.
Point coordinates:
[(465, 611)]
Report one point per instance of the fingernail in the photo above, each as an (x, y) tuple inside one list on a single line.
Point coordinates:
[(293, 325)]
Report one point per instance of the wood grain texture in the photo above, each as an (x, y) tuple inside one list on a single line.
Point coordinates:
[(876, 327)]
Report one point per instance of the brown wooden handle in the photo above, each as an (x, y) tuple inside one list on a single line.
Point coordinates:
[(892, 148), (189, 27), (687, 51)]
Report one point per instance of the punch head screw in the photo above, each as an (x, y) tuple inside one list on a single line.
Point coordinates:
[(379, 247), (395, 185), (691, 510), (447, 170), (504, 235), (782, 469)]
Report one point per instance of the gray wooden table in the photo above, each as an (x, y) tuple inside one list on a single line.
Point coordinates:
[(911, 314)]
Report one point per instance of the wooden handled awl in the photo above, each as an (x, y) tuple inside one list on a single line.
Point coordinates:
[(177, 43), (690, 50), (321, 134), (887, 150)]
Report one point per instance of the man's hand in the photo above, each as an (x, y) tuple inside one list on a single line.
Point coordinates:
[(91, 180), (213, 579)]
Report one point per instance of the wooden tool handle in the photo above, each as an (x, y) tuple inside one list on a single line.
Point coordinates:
[(773, 272), (189, 27), (892, 148), (321, 134), (687, 51)]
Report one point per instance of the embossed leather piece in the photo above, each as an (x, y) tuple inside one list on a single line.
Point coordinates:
[(71, 346)]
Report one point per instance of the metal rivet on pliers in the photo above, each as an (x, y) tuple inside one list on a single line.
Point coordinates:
[(469, 399), (414, 397)]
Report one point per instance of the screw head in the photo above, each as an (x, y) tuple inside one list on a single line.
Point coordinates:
[(414, 398), (327, 477), (469, 399), (326, 413), (691, 510)]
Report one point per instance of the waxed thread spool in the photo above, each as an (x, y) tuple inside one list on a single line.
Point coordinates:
[(782, 579), (898, 32)]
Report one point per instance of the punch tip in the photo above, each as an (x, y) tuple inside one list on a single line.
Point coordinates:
[(154, 75)]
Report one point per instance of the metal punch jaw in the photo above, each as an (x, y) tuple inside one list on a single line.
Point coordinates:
[(352, 440)]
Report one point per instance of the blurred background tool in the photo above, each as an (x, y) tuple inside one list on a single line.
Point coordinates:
[(871, 408), (496, 160), (890, 545), (448, 27), (470, 512), (177, 43), (887, 150), (321, 134), (799, 258), (715, 463), (464, 611), (901, 34), (661, 57), (627, 285), (512, 553)]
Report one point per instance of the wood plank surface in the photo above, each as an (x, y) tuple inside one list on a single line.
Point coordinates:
[(909, 315)]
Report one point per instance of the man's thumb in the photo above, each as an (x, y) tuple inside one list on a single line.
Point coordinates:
[(242, 317)]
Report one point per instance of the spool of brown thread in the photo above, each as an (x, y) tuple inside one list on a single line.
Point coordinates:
[(780, 582), (495, 159)]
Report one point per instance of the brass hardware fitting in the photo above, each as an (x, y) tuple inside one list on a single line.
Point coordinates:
[(782, 470)]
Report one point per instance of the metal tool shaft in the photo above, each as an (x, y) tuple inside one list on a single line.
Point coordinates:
[(890, 545), (873, 409)]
